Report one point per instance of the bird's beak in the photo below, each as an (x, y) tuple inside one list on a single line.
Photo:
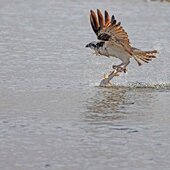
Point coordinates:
[(87, 45)]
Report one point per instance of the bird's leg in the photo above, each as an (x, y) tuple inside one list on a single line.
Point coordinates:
[(117, 66), (121, 67), (125, 65)]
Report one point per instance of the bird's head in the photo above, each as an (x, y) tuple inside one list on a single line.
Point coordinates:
[(96, 45), (92, 45)]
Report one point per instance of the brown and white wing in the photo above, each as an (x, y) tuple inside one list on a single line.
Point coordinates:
[(108, 29)]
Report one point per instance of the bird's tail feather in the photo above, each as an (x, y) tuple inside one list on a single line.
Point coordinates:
[(144, 56)]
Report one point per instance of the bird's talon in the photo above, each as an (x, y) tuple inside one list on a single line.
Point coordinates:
[(114, 67), (119, 69)]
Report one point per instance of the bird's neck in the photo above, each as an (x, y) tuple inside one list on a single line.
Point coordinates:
[(103, 51)]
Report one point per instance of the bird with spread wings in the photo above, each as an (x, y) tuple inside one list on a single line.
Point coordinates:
[(114, 41)]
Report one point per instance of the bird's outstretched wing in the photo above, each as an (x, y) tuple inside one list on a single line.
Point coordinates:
[(108, 29)]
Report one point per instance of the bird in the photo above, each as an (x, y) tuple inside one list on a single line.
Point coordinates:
[(113, 41)]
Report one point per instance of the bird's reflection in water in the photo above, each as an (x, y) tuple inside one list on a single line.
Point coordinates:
[(106, 104), (115, 103)]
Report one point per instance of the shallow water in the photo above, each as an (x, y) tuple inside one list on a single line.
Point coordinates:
[(53, 115)]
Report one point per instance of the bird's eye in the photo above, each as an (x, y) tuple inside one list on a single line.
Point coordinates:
[(93, 45)]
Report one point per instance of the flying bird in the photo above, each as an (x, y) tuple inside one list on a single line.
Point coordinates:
[(114, 41)]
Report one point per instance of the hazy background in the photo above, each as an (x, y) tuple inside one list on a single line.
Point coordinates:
[(54, 116)]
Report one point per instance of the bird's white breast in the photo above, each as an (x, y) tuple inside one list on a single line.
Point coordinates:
[(114, 51)]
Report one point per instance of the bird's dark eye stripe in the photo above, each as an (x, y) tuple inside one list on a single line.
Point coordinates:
[(93, 45), (100, 44)]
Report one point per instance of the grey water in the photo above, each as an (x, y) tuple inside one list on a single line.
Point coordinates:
[(54, 115)]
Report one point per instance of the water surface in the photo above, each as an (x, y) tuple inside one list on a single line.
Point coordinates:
[(53, 115)]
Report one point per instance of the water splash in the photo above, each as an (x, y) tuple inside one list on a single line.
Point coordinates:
[(163, 85), (133, 85)]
